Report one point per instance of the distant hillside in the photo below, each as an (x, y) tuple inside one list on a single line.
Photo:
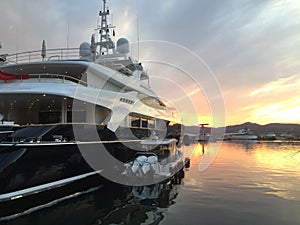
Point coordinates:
[(277, 128)]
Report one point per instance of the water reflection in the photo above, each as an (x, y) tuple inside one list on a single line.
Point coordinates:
[(248, 145), (111, 204), (278, 161), (246, 183), (268, 166), (146, 204)]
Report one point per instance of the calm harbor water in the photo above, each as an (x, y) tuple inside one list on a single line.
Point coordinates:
[(248, 183)]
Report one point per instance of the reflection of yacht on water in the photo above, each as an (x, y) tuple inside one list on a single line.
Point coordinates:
[(53, 106), (244, 134), (148, 203), (111, 203)]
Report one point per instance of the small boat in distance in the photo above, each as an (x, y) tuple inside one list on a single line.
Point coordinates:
[(243, 134), (269, 136)]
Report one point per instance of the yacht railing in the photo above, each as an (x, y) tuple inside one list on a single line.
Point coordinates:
[(61, 77), (37, 56)]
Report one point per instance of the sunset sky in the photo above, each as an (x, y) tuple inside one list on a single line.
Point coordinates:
[(201, 55)]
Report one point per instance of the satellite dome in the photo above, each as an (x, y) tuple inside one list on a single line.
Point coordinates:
[(123, 46), (85, 49)]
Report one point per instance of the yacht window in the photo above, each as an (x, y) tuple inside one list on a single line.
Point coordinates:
[(135, 121), (46, 109), (151, 101), (49, 117), (151, 123), (144, 123), (76, 116)]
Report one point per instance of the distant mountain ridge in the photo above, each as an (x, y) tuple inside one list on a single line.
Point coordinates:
[(277, 128)]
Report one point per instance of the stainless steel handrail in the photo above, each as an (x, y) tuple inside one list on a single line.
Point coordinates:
[(58, 76), (35, 56)]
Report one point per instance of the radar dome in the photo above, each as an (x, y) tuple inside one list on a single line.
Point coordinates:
[(85, 50), (123, 46)]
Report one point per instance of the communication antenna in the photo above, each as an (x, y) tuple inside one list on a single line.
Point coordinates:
[(105, 41), (43, 53), (68, 31), (2, 59), (138, 34)]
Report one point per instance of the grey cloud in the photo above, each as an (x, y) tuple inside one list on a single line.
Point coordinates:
[(223, 33), (29, 22)]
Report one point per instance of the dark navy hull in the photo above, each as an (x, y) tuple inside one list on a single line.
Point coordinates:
[(29, 166), (27, 204), (95, 195), (36, 175), (40, 169)]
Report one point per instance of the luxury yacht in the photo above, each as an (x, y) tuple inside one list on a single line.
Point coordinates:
[(69, 114), (244, 134)]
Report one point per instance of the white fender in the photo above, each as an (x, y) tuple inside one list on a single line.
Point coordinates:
[(146, 167), (152, 159), (142, 159), (135, 166)]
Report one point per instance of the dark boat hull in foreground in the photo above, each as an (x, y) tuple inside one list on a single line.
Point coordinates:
[(37, 167), (22, 205)]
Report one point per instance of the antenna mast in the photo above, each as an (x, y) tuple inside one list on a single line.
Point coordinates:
[(138, 34), (104, 30)]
